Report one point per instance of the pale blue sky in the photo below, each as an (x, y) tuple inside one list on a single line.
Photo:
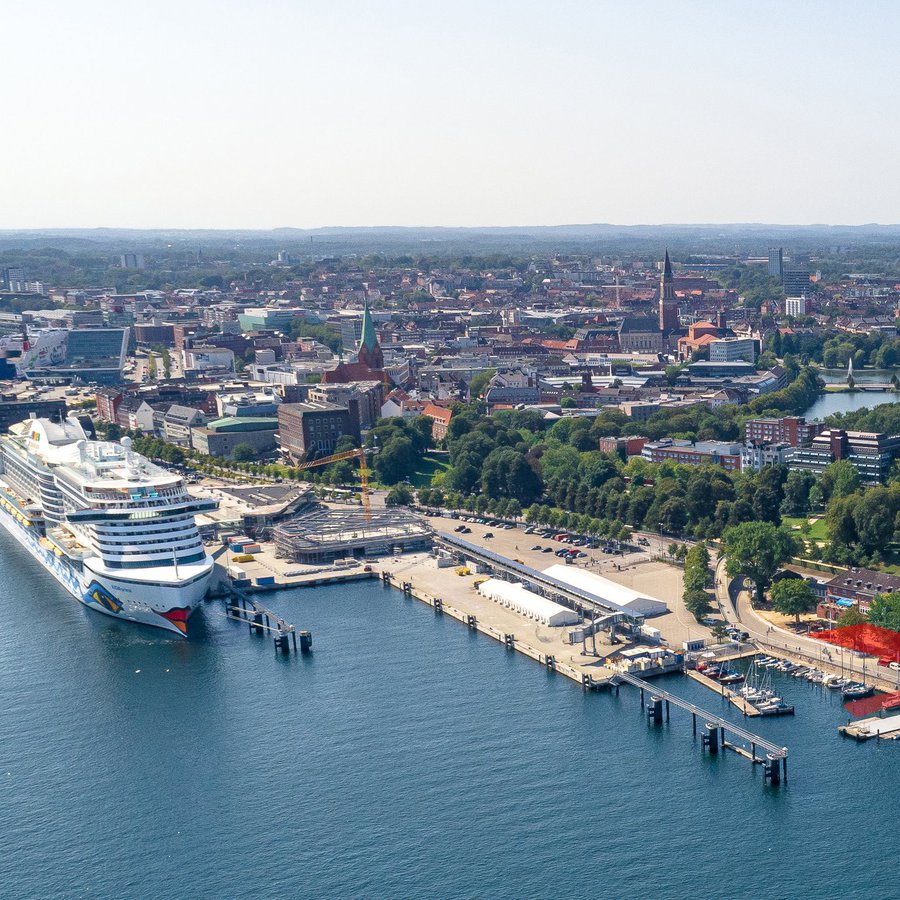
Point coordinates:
[(222, 113)]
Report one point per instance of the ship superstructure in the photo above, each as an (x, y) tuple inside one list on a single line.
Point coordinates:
[(116, 530)]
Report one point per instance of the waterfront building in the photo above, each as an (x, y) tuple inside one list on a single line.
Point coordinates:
[(855, 589), (606, 591), (326, 535), (78, 354), (871, 453), (515, 596)]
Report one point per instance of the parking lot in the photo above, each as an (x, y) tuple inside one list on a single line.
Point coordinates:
[(633, 567)]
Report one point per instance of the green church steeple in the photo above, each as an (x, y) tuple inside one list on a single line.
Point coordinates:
[(368, 338)]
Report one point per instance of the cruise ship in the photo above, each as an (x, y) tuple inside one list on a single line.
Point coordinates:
[(115, 530)]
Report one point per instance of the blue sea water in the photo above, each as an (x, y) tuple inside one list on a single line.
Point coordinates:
[(406, 757)]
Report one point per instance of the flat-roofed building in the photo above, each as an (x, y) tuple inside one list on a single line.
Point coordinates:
[(793, 430), (313, 428), (871, 453), (701, 453)]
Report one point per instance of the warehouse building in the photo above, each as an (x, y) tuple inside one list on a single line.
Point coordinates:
[(526, 603), (606, 591)]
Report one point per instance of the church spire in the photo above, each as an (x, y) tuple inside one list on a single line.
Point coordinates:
[(369, 349), (667, 269), (367, 337)]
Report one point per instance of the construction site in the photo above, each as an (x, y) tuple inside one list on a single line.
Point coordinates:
[(327, 535)]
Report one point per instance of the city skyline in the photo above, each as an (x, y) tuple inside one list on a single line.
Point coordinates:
[(284, 114)]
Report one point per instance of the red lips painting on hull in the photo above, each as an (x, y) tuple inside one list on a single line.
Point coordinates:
[(178, 617)]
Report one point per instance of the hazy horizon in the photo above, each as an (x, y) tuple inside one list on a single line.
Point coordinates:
[(233, 116)]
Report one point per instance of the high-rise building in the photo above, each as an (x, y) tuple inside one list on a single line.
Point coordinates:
[(668, 304), (14, 279), (795, 278), (776, 262), (795, 306), (131, 261)]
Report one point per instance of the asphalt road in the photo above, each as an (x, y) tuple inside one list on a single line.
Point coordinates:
[(734, 602)]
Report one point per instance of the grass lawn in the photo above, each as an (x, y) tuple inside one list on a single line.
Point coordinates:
[(817, 531), (427, 468)]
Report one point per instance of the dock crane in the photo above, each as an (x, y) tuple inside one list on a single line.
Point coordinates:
[(360, 454)]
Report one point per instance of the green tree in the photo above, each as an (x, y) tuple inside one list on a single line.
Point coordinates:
[(851, 617), (396, 460), (885, 611), (697, 602), (399, 495), (480, 381), (796, 493), (757, 550), (839, 479), (696, 568), (243, 453), (793, 597)]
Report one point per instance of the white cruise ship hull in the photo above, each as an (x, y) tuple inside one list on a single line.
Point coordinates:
[(165, 606)]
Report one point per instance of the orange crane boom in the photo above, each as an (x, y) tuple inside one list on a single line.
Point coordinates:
[(359, 454)]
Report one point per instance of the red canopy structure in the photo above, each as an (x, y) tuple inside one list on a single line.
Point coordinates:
[(869, 639)]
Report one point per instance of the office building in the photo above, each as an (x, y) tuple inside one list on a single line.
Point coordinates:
[(795, 306), (776, 262), (795, 278), (871, 453), (732, 349), (313, 428)]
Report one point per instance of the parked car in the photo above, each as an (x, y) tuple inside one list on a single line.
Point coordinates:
[(547, 550), (488, 534), (537, 547)]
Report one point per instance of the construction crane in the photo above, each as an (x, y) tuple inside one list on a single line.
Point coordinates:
[(359, 454)]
